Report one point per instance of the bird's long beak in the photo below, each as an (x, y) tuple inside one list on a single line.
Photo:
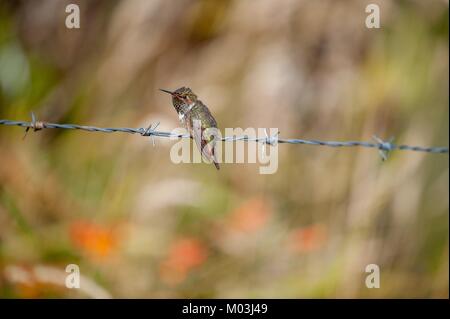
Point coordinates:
[(167, 91)]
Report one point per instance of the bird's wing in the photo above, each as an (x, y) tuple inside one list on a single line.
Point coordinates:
[(197, 133), (205, 144)]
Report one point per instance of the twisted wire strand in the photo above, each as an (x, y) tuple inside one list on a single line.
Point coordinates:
[(381, 145)]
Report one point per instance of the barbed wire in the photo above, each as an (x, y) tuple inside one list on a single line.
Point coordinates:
[(384, 147)]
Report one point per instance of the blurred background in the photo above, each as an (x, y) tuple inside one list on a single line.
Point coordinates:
[(140, 226)]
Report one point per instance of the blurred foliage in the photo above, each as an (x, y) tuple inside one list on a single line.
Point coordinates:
[(140, 226)]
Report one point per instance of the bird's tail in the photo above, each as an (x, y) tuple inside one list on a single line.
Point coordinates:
[(216, 165)]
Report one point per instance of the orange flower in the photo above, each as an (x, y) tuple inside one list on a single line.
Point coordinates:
[(184, 255), (250, 216), (96, 240), (307, 239)]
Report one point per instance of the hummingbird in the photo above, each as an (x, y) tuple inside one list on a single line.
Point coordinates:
[(196, 118)]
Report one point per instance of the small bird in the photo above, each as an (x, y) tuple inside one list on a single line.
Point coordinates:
[(196, 118)]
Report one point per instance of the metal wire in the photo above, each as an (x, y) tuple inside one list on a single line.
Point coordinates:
[(384, 147)]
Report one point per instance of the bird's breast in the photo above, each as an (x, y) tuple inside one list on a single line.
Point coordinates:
[(184, 110)]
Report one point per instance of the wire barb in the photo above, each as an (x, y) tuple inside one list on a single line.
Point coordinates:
[(269, 140), (384, 147), (34, 124), (149, 131)]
